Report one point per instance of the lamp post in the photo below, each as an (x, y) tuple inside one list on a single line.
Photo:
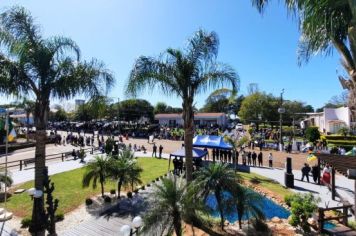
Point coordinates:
[(127, 230), (281, 110)]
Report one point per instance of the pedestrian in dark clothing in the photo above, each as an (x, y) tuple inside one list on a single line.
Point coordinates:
[(249, 158), (254, 157), (160, 151), (260, 157), (180, 165), (305, 171), (316, 173), (175, 165), (244, 158), (154, 150), (225, 156), (237, 157)]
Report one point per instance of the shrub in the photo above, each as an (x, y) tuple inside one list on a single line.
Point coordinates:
[(59, 216), (88, 201), (352, 224), (302, 208), (288, 199), (339, 137), (107, 199), (113, 191), (129, 194), (312, 134), (26, 222), (136, 191)]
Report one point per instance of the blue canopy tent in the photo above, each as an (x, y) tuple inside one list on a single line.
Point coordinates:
[(211, 141), (197, 153)]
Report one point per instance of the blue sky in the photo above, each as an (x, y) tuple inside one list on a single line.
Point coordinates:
[(262, 49)]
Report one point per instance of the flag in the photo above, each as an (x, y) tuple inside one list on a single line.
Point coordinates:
[(311, 157)]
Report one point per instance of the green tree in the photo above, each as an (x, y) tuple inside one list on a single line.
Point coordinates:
[(184, 73), (59, 115), (171, 202), (47, 68), (96, 171), (29, 107), (219, 101), (327, 25), (312, 134), (216, 179), (302, 208), (125, 170), (160, 108), (248, 203), (135, 109)]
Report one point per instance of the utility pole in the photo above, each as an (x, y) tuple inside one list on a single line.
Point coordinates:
[(281, 110)]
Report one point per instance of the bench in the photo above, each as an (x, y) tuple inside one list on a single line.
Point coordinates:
[(66, 155)]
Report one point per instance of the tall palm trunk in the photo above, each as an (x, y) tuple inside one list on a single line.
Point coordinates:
[(38, 224), (220, 206), (102, 184), (177, 223), (188, 118), (119, 184)]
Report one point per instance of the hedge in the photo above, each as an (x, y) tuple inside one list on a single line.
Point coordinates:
[(342, 142), (339, 137)]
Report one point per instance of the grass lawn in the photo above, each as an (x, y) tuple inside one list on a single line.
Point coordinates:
[(266, 183), (69, 191)]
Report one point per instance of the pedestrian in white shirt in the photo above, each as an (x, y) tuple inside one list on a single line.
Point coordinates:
[(270, 160)]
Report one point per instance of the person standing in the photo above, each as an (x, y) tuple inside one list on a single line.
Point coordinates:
[(305, 171), (260, 159), (315, 172), (237, 157), (175, 165), (180, 165), (160, 151), (249, 158), (244, 158), (214, 155), (270, 160), (254, 157), (154, 150)]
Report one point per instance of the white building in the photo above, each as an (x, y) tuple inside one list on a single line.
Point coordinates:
[(199, 119), (330, 120)]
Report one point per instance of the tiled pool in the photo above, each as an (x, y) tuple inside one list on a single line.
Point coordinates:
[(270, 208)]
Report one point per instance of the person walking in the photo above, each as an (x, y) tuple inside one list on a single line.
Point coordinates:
[(254, 157), (305, 171), (270, 160), (160, 149), (154, 150), (260, 157)]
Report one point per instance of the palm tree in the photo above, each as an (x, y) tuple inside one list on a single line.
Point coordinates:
[(327, 24), (184, 73), (172, 201), (217, 179), (96, 170), (44, 68), (125, 170), (248, 203), (29, 107)]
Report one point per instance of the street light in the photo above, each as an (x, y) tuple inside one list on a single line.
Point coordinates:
[(281, 110), (127, 230)]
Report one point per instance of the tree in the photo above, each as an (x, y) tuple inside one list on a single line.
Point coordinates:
[(219, 101), (216, 179), (135, 109), (29, 107), (47, 68), (59, 115), (248, 203), (160, 108), (184, 73), (312, 134), (96, 170), (327, 25), (171, 202), (125, 170)]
